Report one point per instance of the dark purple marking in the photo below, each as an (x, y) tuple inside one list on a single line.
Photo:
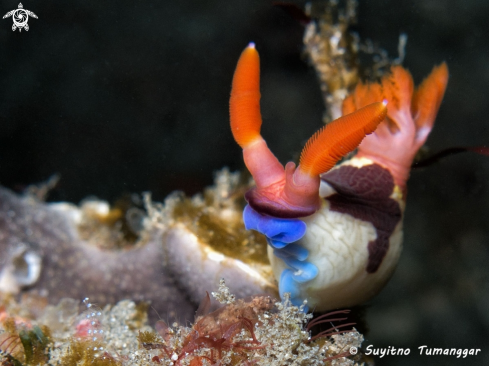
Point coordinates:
[(364, 194), (276, 208)]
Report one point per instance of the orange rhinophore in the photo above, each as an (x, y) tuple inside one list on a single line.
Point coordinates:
[(335, 140), (292, 192), (244, 105), (410, 117)]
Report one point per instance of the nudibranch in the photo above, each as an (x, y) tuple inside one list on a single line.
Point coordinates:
[(335, 232)]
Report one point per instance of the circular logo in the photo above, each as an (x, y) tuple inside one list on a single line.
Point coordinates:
[(353, 350), (20, 18)]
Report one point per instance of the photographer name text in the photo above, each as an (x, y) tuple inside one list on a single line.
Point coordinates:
[(423, 351)]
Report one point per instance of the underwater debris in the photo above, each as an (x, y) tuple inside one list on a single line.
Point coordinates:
[(22, 344), (11, 348), (107, 227), (334, 51), (77, 268), (253, 331), (116, 338), (206, 240), (82, 252), (224, 296)]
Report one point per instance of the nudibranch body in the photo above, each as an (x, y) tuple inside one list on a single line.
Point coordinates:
[(355, 240), (342, 251)]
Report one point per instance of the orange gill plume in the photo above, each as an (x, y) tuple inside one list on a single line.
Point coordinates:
[(427, 98), (410, 117)]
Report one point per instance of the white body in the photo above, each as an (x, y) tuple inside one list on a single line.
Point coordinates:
[(337, 244)]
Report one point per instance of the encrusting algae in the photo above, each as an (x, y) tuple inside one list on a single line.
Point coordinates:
[(215, 217), (254, 331), (205, 240)]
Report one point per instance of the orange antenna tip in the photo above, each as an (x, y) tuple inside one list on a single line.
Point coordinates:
[(244, 104), (338, 138)]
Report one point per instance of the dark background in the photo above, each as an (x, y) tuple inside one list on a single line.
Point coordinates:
[(132, 96)]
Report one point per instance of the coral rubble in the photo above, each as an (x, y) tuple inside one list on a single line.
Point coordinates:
[(254, 331), (341, 59), (183, 247), (34, 234)]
